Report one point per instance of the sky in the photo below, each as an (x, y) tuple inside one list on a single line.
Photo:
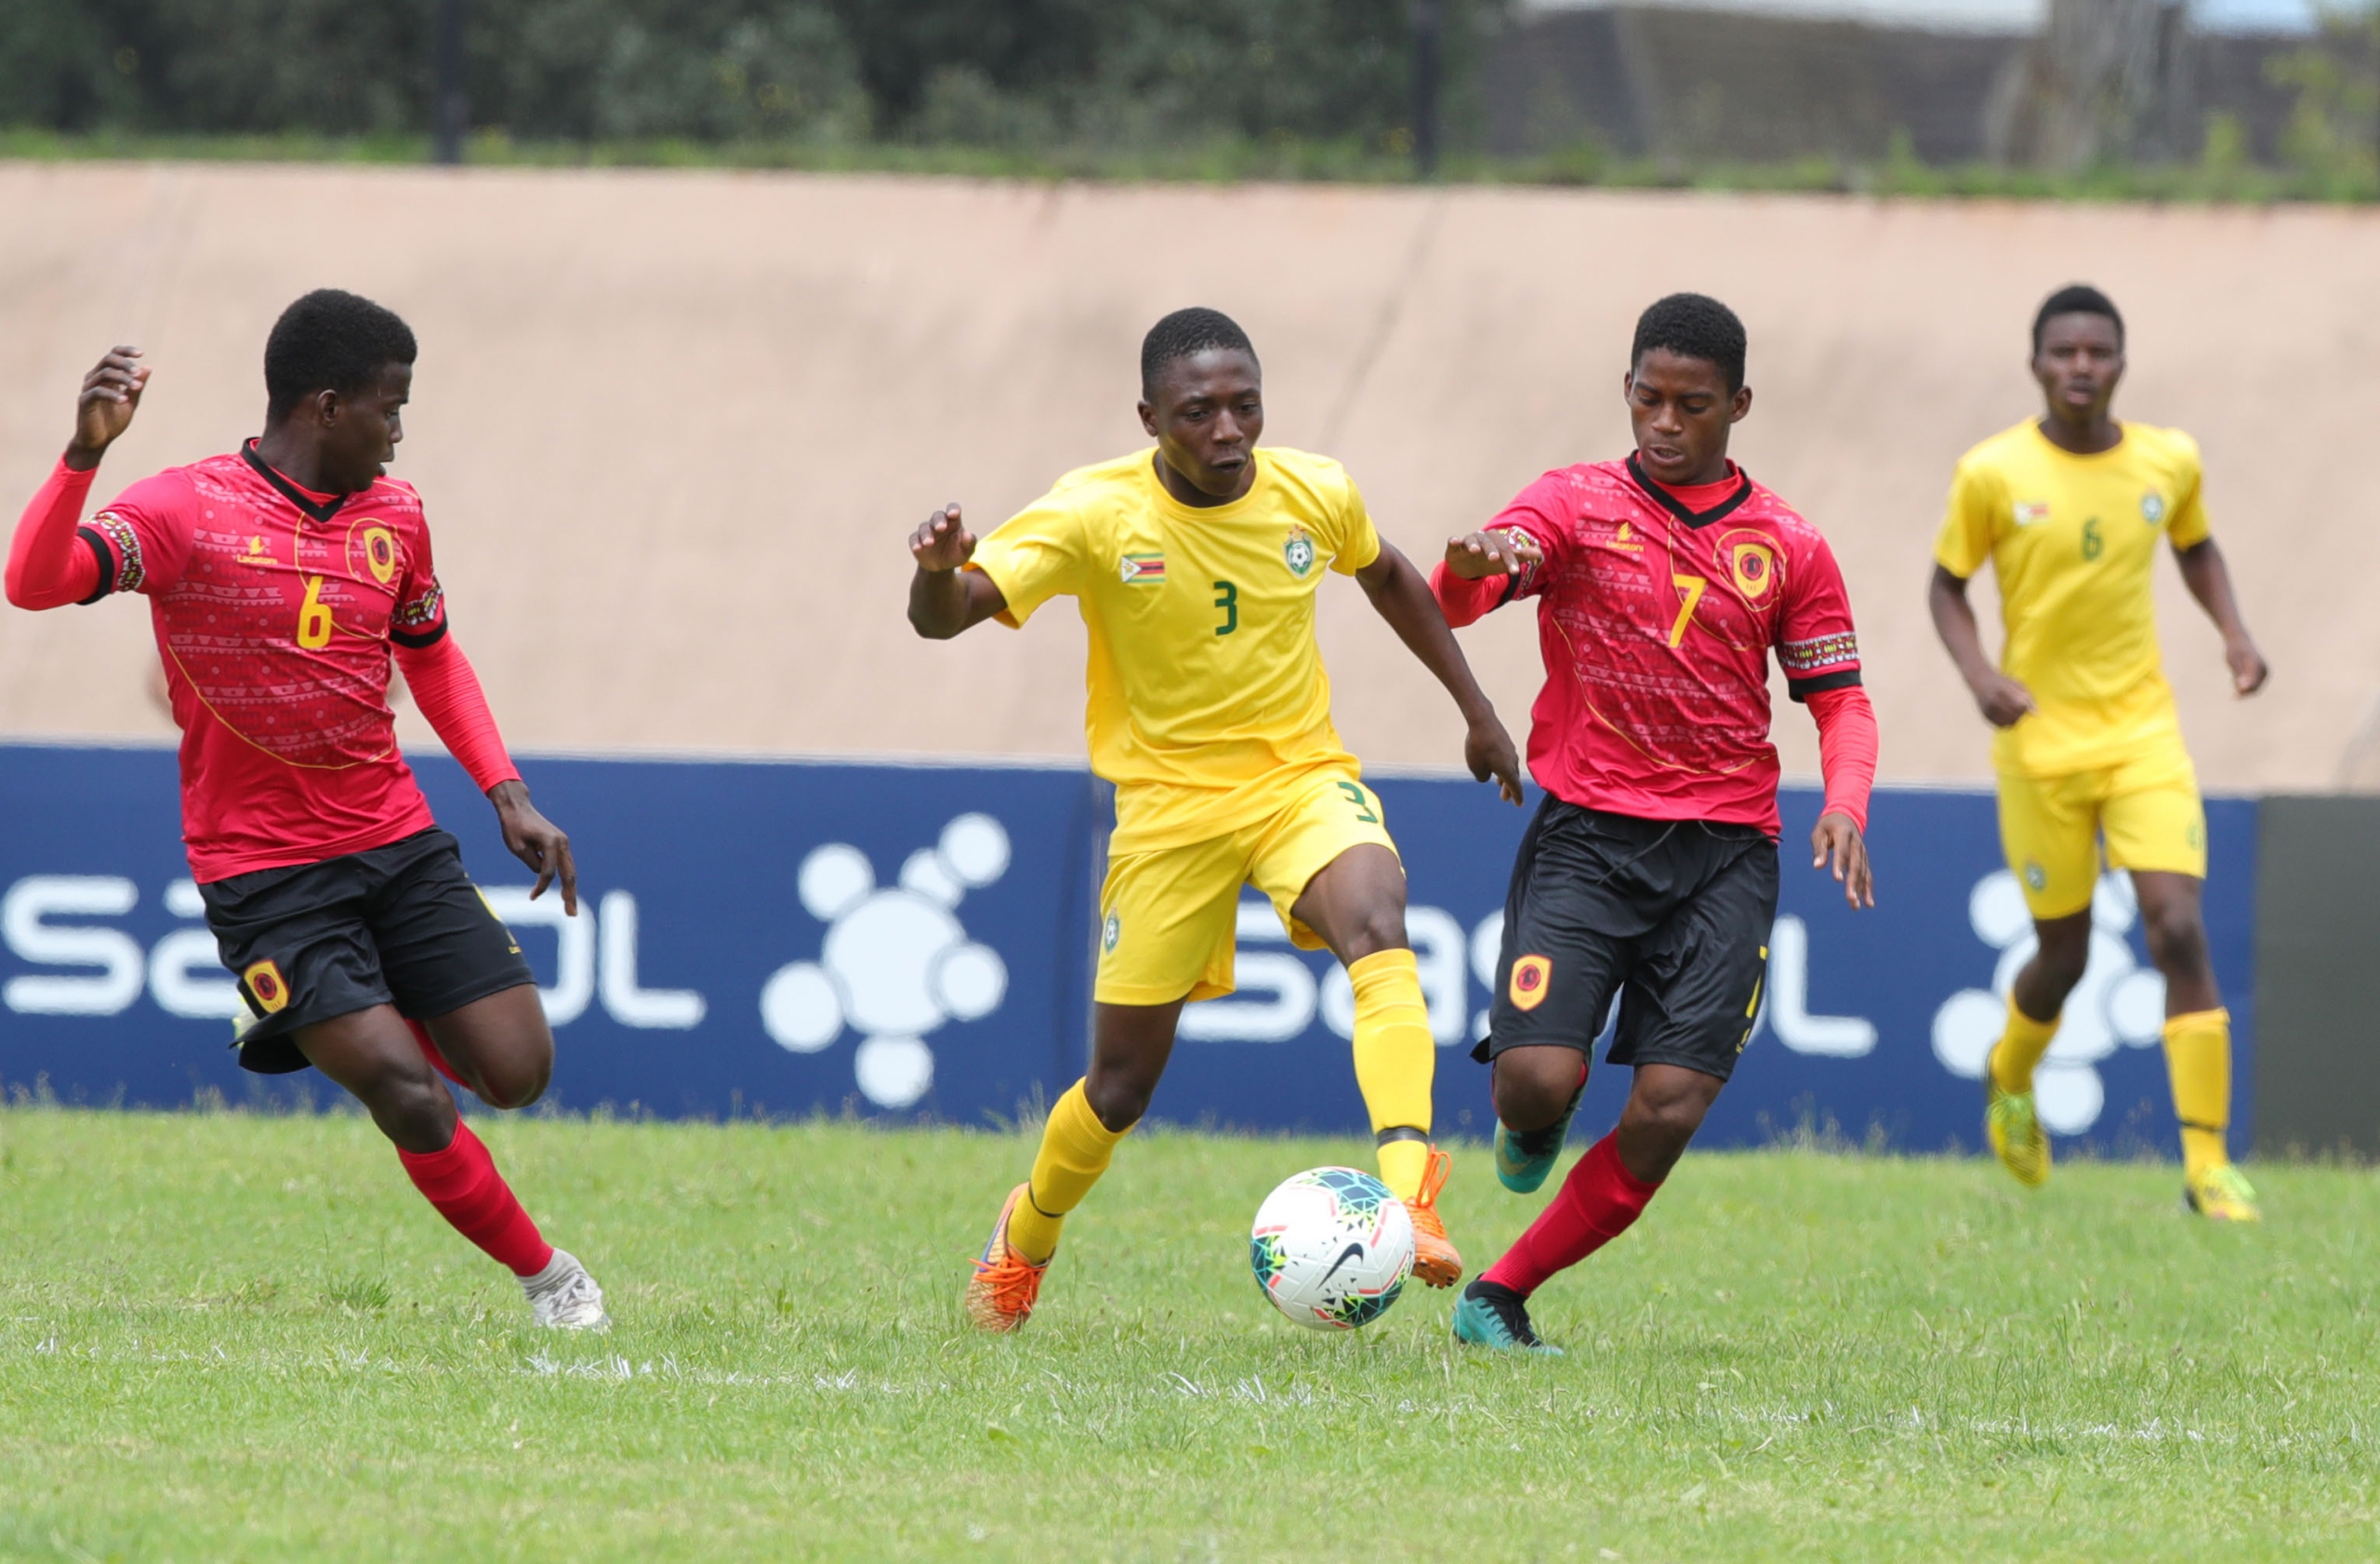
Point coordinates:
[(1987, 16)]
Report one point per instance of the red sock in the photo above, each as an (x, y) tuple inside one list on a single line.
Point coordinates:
[(463, 1183), (1594, 1206), (429, 1052)]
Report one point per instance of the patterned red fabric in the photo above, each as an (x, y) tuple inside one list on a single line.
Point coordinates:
[(274, 611), (1656, 620)]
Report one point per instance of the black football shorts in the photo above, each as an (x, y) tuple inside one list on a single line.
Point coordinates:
[(1671, 915), (401, 924)]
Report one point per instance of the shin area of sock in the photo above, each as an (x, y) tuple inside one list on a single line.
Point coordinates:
[(1596, 1204), (1396, 1053), (462, 1183), (2022, 1043), (1076, 1149)]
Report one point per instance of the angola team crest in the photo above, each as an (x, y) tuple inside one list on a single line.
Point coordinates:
[(1298, 552)]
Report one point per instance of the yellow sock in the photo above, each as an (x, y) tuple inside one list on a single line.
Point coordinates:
[(2198, 1056), (1396, 1057), (2019, 1049), (1075, 1150)]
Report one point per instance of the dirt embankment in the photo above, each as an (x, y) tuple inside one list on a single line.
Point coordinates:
[(672, 428)]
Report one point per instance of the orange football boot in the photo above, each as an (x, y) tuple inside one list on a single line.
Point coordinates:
[(1436, 1262), (1001, 1293)]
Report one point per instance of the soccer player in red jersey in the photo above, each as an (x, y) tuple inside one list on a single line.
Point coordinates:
[(280, 579), (1662, 583)]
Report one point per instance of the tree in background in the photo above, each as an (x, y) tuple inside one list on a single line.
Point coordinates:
[(2106, 80), (1001, 72)]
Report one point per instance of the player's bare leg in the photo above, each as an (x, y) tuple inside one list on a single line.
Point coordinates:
[(2198, 1043), (1129, 1044), (500, 1046), (1357, 904), (375, 1055)]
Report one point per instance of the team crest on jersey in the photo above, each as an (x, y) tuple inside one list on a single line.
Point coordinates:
[(2152, 507), (1110, 932), (380, 553), (1298, 552), (2032, 512), (1532, 976), (1754, 568), (1145, 570), (264, 981)]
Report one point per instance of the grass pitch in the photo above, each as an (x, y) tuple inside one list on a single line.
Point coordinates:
[(225, 1336)]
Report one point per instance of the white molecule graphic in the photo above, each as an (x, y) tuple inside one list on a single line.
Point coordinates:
[(895, 963), (2118, 1002)]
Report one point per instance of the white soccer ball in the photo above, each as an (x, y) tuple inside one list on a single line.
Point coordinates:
[(1332, 1248)]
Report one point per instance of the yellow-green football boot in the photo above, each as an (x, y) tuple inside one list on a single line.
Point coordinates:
[(2221, 1193), (2018, 1138)]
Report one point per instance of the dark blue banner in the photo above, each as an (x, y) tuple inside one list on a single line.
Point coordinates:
[(786, 938)]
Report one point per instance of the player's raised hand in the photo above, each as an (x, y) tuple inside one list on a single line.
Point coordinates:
[(1487, 749), (2002, 700), (943, 542), (2249, 670), (111, 395), (1836, 841), (1474, 555), (536, 841)]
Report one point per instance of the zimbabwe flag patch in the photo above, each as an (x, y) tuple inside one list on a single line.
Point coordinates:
[(1144, 569)]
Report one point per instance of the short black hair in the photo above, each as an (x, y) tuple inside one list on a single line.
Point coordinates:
[(330, 340), (2076, 298), (1182, 334), (1692, 325)]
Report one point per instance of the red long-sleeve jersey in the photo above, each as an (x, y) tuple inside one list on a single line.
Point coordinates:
[(1657, 614), (276, 610)]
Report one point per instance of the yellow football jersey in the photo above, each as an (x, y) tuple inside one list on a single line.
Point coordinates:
[(2073, 540), (1208, 701)]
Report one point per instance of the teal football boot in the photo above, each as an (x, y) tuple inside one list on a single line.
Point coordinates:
[(1524, 1157), (1497, 1317)]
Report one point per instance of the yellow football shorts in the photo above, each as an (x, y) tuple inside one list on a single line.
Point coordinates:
[(2147, 807), (1168, 918)]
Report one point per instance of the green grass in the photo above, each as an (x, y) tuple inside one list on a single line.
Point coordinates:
[(1227, 160), (231, 1336)]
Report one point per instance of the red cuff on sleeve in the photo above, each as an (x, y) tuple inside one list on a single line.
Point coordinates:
[(48, 566), (1464, 602), (1847, 742), (449, 695)]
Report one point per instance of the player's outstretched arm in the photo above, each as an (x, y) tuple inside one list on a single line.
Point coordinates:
[(2209, 580), (1475, 577), (46, 569), (2001, 699), (1402, 597), (945, 598)]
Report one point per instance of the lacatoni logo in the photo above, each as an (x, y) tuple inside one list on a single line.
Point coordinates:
[(895, 963), (2118, 1002)]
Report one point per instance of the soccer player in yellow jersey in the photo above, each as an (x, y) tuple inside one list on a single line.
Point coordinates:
[(2068, 509), (1194, 566)]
